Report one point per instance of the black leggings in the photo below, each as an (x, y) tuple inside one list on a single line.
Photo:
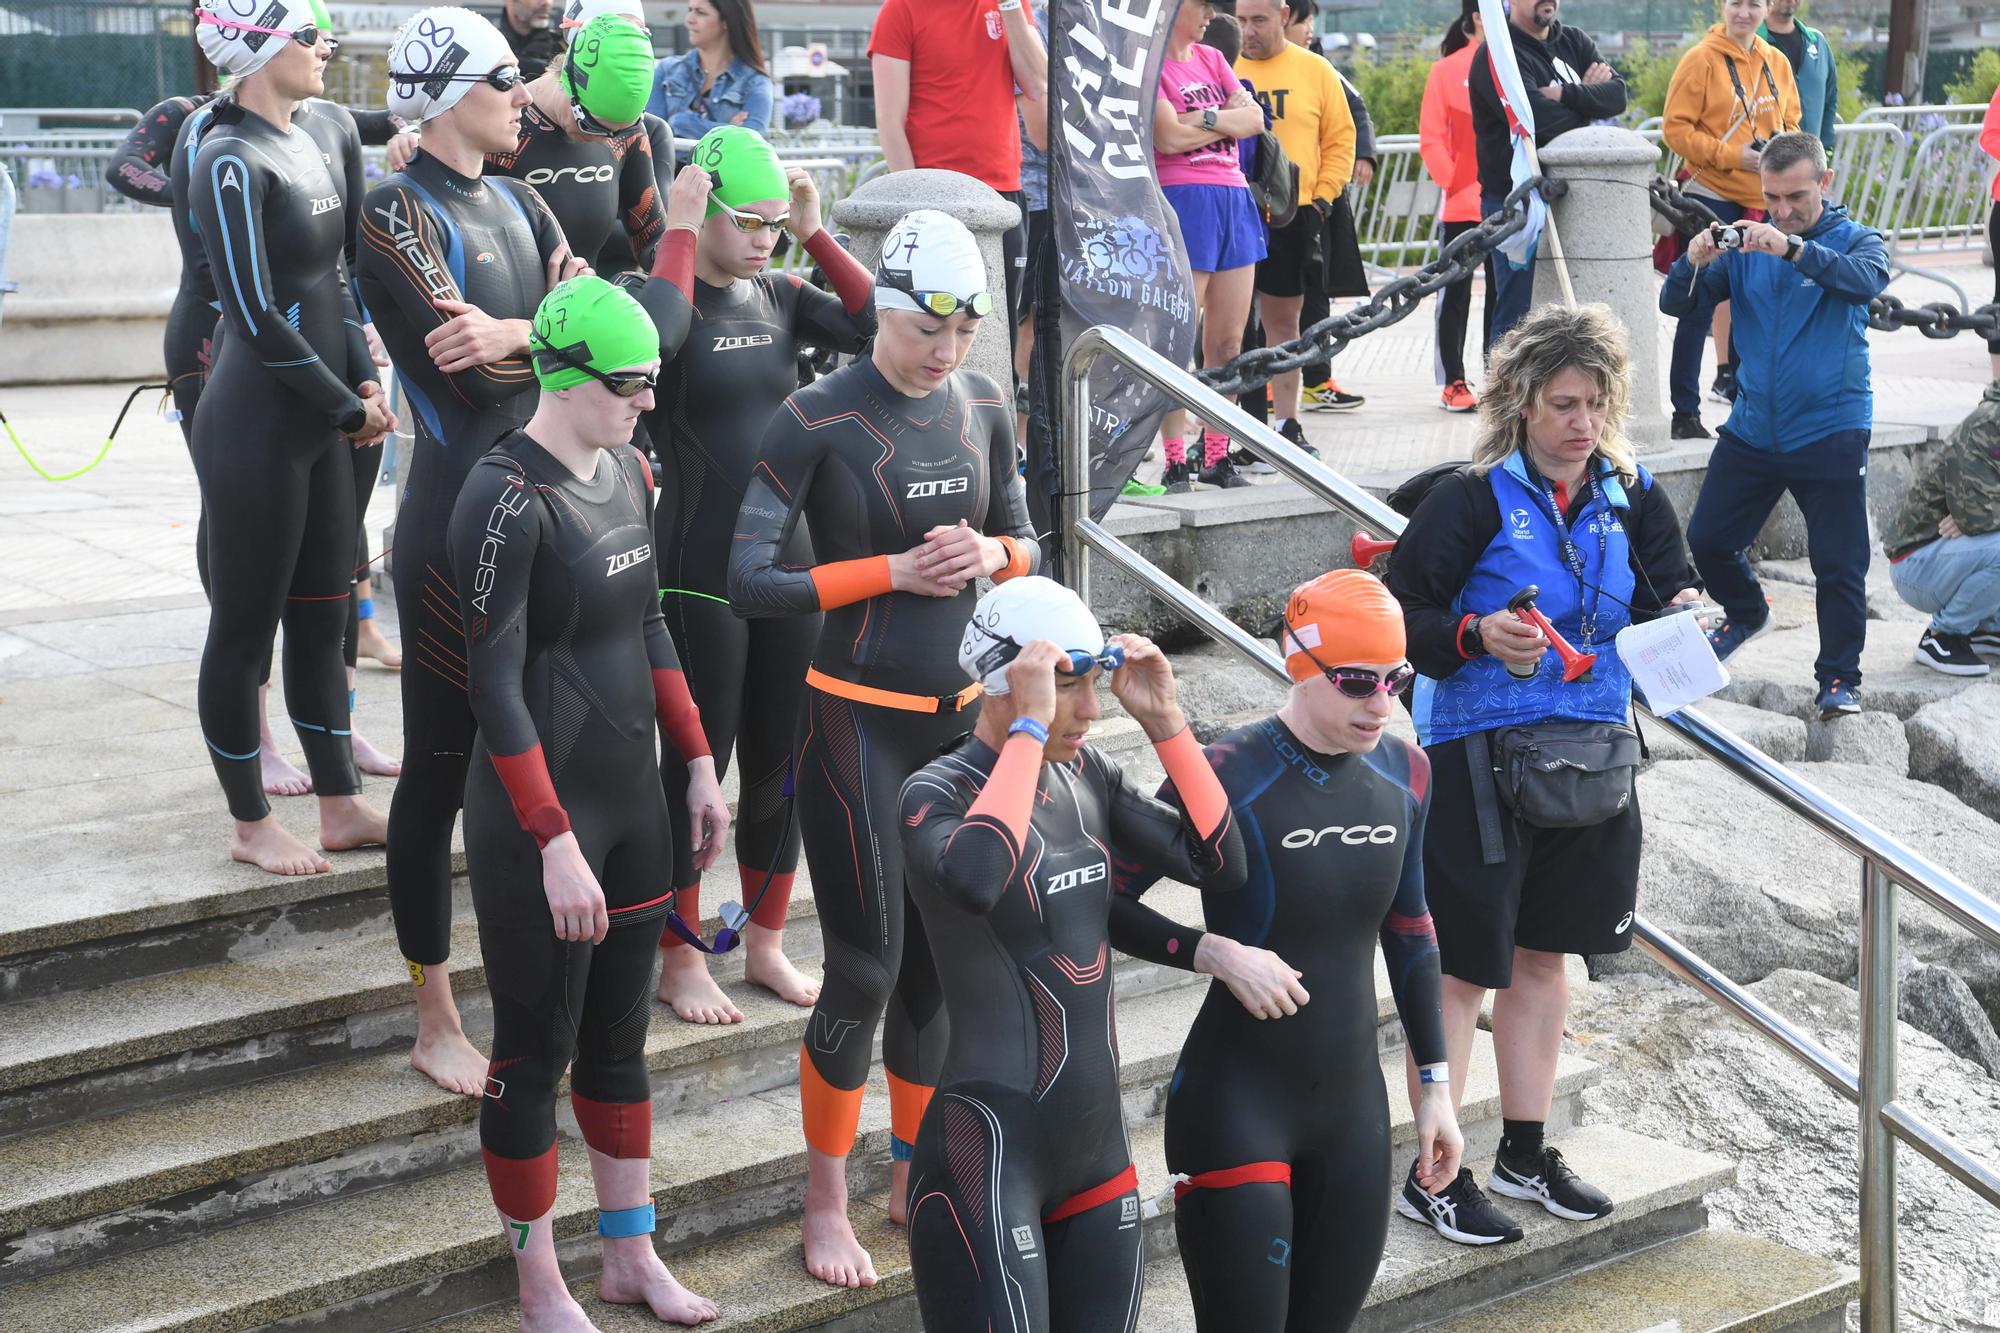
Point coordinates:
[(997, 1246), (279, 490), (1454, 309), (853, 760), (748, 679)]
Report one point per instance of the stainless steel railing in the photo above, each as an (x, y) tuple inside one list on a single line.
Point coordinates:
[(1888, 867)]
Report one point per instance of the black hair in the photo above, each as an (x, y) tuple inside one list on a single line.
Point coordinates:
[(1300, 11), (1459, 35), (739, 20), (1225, 34)]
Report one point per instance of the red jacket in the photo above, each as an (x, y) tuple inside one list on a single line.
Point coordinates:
[(1445, 135), (1989, 137)]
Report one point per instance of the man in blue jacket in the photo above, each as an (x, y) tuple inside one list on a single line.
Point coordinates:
[(1811, 57), (1801, 284)]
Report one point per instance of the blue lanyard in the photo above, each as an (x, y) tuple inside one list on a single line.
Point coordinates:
[(1573, 558)]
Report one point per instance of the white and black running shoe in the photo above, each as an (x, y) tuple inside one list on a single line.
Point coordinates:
[(1950, 653), (1461, 1213), (1985, 642), (1545, 1178)]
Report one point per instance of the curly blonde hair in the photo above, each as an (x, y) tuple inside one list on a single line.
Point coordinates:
[(1549, 340)]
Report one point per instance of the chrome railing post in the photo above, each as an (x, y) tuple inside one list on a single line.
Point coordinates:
[(1878, 1089), (1073, 505)]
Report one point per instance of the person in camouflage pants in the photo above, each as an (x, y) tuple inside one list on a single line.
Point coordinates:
[(1944, 545)]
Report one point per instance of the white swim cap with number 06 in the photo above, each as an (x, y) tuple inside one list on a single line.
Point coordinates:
[(1015, 614), (437, 58), (928, 251)]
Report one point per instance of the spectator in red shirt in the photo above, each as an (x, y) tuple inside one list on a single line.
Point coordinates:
[(947, 73), (1446, 142)]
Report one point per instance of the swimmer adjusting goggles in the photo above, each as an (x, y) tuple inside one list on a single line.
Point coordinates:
[(1004, 650), (735, 916)]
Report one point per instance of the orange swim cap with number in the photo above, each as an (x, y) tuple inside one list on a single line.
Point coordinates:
[(1341, 617)]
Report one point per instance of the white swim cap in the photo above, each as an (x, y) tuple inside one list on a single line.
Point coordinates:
[(239, 37), (1016, 613), (577, 14), (928, 251), (437, 58)]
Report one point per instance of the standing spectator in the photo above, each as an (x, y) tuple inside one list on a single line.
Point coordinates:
[(1342, 273), (1198, 118), (1989, 143), (722, 80), (1569, 86), (1811, 57), (947, 75), (1309, 114), (1804, 406), (1034, 121), (1444, 138), (534, 40), (1944, 545), (1728, 97)]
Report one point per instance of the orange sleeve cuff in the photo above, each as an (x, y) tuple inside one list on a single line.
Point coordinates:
[(1200, 790), (847, 581), (1017, 561), (1008, 799)]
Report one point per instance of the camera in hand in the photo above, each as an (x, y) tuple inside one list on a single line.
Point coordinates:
[(1725, 236), (1760, 144)]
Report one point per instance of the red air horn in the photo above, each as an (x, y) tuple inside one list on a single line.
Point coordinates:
[(1365, 549), (1575, 664)]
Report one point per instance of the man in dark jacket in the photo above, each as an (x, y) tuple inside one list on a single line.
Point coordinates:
[(536, 42), (1804, 406), (1569, 86), (1944, 545)]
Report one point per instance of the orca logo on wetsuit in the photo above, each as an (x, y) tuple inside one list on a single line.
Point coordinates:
[(1070, 879), (1357, 835), (581, 175), (920, 490), (624, 560)]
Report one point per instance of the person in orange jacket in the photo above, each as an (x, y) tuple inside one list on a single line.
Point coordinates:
[(1444, 138), (1728, 96)]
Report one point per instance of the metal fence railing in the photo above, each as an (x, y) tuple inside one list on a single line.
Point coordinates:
[(1889, 869), (7, 200)]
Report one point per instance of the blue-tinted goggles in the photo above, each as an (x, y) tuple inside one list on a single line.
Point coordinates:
[(1110, 659)]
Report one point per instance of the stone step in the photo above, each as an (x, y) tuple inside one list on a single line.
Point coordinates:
[(1710, 1282), (423, 1248)]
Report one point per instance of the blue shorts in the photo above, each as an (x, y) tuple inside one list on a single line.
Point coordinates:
[(1219, 224)]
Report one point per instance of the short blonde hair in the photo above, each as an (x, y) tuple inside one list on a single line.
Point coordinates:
[(1549, 340)]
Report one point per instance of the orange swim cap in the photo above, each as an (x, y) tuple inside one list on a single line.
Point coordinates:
[(1341, 617)]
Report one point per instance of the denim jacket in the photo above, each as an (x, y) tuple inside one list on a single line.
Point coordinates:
[(677, 83)]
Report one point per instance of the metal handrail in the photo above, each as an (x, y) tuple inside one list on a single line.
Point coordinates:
[(1886, 863)]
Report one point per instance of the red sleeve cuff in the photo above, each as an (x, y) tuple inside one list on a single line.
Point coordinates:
[(526, 778), (679, 718), (853, 283), (675, 260), (1458, 637)]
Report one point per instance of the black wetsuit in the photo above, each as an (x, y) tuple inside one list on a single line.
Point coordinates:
[(275, 209), (1024, 1205), (430, 233), (595, 187), (730, 358), (1283, 1126), (570, 663), (872, 471)]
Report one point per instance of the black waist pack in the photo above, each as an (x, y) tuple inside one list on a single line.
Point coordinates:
[(1566, 774)]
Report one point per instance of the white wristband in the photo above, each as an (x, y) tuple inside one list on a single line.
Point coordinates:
[(1434, 1073), (1009, 6)]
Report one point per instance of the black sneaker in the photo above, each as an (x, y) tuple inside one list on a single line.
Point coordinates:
[(1724, 388), (1249, 464), (1178, 478), (1461, 1213), (1223, 474), (1985, 642), (1295, 434), (1545, 1178), (1687, 426), (1949, 653)]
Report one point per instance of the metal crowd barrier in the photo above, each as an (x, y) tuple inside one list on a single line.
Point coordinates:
[(1888, 867), (6, 232)]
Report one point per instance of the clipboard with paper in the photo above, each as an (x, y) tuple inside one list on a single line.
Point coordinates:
[(1671, 661)]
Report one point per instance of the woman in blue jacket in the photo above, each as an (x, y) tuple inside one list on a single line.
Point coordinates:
[(722, 81)]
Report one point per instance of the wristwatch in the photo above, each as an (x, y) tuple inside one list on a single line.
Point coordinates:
[(1469, 642), (1208, 118), (1792, 247)]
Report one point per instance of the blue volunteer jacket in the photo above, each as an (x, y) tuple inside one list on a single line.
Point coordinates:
[(1800, 329)]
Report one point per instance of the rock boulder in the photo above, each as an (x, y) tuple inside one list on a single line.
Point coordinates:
[(1956, 744), (1936, 1000), (1875, 740)]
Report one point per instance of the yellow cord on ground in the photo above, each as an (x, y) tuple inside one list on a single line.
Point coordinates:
[(47, 475)]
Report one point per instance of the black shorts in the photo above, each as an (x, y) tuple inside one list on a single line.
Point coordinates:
[(1014, 255), (1031, 271), (1569, 890), (1295, 248)]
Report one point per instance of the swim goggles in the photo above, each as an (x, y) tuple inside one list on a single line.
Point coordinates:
[(307, 37), (504, 79), (735, 916), (624, 383), (750, 222), (1356, 683), (1111, 658), (942, 304)]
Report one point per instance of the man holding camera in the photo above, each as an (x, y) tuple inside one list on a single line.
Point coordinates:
[(1804, 405)]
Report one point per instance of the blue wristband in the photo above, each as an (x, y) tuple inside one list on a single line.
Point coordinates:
[(364, 608), (1027, 726), (618, 1223)]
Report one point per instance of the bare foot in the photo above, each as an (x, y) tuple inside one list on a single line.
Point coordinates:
[(282, 777), (634, 1275), (269, 845), (832, 1252), (450, 1061), (347, 822), (371, 760), (556, 1316), (765, 964), (371, 644), (690, 992), (899, 1192)]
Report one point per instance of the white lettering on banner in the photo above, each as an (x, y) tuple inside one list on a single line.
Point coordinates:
[(1122, 150)]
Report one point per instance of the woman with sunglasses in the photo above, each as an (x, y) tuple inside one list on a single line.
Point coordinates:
[(1023, 1201), (452, 264), (1553, 498), (719, 389), (1277, 1123), (566, 829), (903, 465), (292, 393)]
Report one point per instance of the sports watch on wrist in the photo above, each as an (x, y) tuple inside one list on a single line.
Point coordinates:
[(1208, 119), (1792, 247)]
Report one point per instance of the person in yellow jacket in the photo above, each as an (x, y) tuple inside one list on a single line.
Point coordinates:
[(1308, 110), (1728, 96)]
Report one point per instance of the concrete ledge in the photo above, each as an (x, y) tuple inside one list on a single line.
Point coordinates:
[(94, 293)]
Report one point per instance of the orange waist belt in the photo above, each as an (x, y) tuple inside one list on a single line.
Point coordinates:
[(909, 703)]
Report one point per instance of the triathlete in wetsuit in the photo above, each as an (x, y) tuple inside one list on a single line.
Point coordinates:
[(452, 265), (617, 256), (1023, 1201), (1280, 1129), (730, 333), (275, 202), (570, 665), (904, 468)]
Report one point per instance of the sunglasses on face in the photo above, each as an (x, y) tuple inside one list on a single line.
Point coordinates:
[(942, 304), (1357, 684), (624, 383), (751, 222)]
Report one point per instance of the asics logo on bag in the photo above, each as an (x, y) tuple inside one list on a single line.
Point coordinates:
[(1354, 835), (581, 175)]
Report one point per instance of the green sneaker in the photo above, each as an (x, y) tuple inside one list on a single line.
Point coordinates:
[(1140, 490)]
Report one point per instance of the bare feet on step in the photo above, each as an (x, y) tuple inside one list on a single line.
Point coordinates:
[(832, 1252), (899, 1193), (269, 845), (371, 760), (347, 822), (687, 989), (450, 1061), (634, 1275), (371, 643), (765, 964), (556, 1316), (282, 777)]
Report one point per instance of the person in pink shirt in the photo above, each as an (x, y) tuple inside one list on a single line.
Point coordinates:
[(1989, 140), (1201, 113), (1444, 138)]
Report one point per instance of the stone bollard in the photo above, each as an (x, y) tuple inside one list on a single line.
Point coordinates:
[(1605, 223), (868, 213)]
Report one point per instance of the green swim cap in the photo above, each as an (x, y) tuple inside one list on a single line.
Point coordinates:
[(608, 70), (321, 16), (589, 320), (743, 166)]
